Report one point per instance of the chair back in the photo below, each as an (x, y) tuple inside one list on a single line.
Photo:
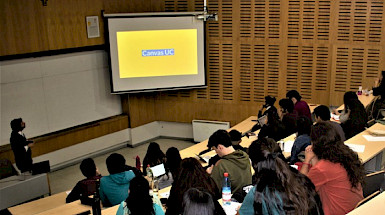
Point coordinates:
[(366, 199), (373, 182)]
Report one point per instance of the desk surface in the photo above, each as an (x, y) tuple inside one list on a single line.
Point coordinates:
[(373, 206), (67, 209), (40, 205)]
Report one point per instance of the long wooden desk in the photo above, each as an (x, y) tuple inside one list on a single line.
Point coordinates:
[(374, 206), (67, 209), (40, 205)]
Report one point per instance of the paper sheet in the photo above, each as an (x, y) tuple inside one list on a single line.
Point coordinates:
[(355, 147), (164, 195), (374, 138), (232, 208), (288, 145)]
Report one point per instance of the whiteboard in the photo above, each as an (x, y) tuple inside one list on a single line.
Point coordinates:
[(56, 92)]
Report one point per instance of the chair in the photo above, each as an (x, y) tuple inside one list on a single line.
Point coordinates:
[(6, 169), (366, 199), (373, 182), (380, 112)]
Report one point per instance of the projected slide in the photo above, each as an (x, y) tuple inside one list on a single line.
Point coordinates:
[(157, 53)]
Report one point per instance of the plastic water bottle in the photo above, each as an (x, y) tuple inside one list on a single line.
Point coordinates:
[(149, 174), (226, 189)]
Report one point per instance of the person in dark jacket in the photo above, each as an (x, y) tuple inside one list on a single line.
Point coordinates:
[(269, 105), (289, 116), (273, 128), (87, 186), (21, 147)]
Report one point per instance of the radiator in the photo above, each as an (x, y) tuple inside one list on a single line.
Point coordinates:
[(203, 129)]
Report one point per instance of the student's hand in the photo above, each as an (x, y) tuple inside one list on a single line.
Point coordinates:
[(376, 82), (31, 145), (210, 169), (309, 154)]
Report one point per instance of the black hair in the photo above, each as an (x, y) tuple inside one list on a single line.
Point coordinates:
[(270, 100), (115, 163), (304, 125), (88, 167), (235, 135), (257, 148), (219, 137), (323, 112), (198, 202), (293, 93), (287, 105), (154, 155), (327, 145), (173, 161), (16, 124), (139, 201)]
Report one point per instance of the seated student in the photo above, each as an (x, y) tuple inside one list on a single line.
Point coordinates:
[(337, 172), (234, 162), (356, 118), (113, 188), (302, 140), (279, 189), (269, 104), (85, 187), (322, 114), (349, 97), (196, 201), (300, 106), (153, 157), (173, 160), (191, 174), (139, 201), (236, 139), (273, 127), (379, 103), (289, 116)]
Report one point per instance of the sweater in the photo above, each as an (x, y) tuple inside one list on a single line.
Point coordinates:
[(114, 188)]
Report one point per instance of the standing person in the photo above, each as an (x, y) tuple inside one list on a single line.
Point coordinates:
[(21, 147), (234, 162), (139, 201), (191, 174), (337, 172), (87, 186), (113, 188), (300, 106)]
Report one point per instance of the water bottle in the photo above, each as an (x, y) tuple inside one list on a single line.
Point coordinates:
[(137, 163), (96, 210), (226, 189), (149, 175)]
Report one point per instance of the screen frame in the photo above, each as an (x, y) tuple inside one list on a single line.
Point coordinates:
[(141, 15)]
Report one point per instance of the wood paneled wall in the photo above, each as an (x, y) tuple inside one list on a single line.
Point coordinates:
[(322, 48), (27, 26)]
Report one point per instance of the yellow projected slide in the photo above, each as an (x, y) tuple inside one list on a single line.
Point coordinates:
[(157, 53)]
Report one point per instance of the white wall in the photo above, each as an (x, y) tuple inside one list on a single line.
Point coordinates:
[(56, 92)]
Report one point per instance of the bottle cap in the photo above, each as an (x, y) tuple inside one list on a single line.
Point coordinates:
[(226, 174), (148, 165)]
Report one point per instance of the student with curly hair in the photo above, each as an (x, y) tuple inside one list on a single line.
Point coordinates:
[(278, 188), (337, 172)]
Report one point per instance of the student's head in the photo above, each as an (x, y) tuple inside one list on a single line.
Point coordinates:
[(139, 200), (327, 145), (322, 113), (192, 174), (349, 97), (274, 177), (154, 155), (115, 163), (154, 148), (173, 160), (219, 140), (235, 136), (258, 147), (269, 101), (294, 96), (382, 75), (198, 202), (286, 105), (17, 124), (303, 125), (88, 167)]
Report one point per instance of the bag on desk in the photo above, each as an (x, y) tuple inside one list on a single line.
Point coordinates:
[(41, 167)]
